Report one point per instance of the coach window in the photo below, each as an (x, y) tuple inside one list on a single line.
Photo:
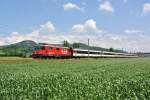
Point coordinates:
[(82, 52)]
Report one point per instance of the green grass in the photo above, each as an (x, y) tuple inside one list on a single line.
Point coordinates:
[(75, 79)]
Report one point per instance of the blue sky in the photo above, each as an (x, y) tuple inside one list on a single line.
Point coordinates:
[(108, 23)]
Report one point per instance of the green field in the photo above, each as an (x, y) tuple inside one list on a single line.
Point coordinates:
[(75, 79)]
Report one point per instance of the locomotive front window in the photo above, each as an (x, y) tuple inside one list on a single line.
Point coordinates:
[(37, 48), (43, 48)]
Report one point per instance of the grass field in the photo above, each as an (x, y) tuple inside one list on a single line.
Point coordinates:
[(75, 79)]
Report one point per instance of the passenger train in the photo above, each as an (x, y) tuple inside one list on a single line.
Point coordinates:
[(52, 51)]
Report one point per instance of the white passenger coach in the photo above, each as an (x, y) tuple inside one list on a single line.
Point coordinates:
[(94, 53)]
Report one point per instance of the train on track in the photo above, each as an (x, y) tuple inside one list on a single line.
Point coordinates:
[(52, 51)]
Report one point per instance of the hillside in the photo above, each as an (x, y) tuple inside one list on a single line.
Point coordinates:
[(23, 48)]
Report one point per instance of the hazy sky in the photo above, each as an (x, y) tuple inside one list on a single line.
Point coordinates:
[(108, 23)]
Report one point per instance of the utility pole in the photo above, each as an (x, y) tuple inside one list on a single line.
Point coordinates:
[(88, 46)]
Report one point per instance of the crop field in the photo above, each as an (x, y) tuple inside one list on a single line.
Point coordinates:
[(75, 79)]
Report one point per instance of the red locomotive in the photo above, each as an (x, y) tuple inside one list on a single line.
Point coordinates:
[(51, 51)]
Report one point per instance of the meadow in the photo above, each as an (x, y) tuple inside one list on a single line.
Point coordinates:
[(75, 79)]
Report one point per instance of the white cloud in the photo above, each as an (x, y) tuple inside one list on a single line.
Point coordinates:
[(146, 8), (2, 42), (48, 26), (89, 25), (17, 37), (106, 6), (133, 31), (15, 33), (71, 6), (78, 28)]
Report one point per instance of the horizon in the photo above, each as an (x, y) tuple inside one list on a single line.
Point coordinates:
[(107, 23), (122, 49)]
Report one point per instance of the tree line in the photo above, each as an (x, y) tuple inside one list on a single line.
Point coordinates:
[(74, 45)]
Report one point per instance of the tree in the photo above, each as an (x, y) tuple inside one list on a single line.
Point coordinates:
[(65, 43), (76, 45), (111, 49)]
